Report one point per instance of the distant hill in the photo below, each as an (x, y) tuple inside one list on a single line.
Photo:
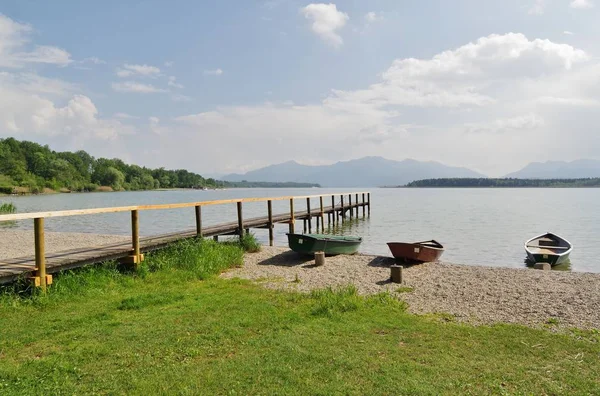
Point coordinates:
[(363, 172), (559, 170)]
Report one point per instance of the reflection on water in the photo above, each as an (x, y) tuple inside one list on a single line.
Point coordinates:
[(566, 266), (476, 226)]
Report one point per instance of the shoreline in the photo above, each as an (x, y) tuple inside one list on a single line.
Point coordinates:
[(455, 292), (473, 294)]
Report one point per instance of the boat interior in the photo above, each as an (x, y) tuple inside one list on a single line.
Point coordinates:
[(432, 244), (548, 245)]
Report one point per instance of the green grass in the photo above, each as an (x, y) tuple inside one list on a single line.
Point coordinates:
[(175, 328), (405, 289), (7, 208)]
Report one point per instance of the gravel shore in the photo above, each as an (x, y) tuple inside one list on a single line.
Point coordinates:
[(19, 243), (479, 295)]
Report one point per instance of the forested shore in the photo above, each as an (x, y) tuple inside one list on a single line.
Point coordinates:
[(30, 168), (504, 182)]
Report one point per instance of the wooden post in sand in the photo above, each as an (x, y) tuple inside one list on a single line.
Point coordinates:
[(319, 258), (396, 273)]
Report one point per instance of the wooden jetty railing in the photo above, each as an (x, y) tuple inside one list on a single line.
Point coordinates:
[(13, 268)]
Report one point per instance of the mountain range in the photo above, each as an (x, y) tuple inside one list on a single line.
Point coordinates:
[(559, 170), (363, 172), (378, 171)]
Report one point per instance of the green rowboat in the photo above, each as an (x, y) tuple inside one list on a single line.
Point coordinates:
[(330, 244)]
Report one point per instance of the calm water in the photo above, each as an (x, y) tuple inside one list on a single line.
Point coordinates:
[(477, 226)]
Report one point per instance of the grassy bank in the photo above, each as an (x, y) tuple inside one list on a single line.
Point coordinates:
[(175, 328)]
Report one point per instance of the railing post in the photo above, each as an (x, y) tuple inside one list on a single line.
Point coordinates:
[(309, 215), (270, 210), (350, 205), (363, 204), (240, 220), (369, 203), (292, 219), (198, 221), (40, 279), (135, 235)]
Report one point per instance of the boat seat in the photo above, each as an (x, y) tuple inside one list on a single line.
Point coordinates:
[(549, 247)]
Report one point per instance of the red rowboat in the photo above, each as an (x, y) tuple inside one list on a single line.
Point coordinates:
[(419, 251)]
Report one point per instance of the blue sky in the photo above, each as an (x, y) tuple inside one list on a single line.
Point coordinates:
[(229, 86)]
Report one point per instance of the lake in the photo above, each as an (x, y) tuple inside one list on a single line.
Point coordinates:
[(477, 226)]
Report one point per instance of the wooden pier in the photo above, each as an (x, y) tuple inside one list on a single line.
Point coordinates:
[(39, 268)]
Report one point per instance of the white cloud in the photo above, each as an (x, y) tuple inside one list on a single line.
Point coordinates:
[(538, 7), (132, 86), (483, 104), (180, 98), (582, 4), (568, 33), (169, 63), (173, 82), (15, 51), (372, 16), (94, 60), (527, 122), (215, 72), (23, 115), (326, 22), (129, 70)]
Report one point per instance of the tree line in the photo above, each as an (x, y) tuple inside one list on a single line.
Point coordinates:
[(505, 182), (30, 167)]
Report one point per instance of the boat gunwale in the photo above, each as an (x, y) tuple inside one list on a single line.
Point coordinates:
[(566, 252), (417, 243), (349, 241)]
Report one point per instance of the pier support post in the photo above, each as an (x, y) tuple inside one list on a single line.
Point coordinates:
[(356, 203), (40, 279), (304, 226), (369, 204), (343, 215), (292, 220), (216, 238), (322, 214), (363, 204), (198, 221), (240, 220), (309, 215), (270, 211), (350, 205), (333, 209)]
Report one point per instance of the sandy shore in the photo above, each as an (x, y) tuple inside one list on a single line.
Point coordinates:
[(480, 295), (19, 243)]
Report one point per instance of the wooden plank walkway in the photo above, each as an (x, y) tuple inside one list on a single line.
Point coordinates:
[(13, 268)]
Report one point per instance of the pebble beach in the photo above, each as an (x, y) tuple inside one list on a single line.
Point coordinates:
[(473, 294)]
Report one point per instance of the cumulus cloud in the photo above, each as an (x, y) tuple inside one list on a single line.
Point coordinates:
[(129, 70), (372, 16), (582, 4), (481, 104), (16, 51), (132, 86), (326, 22), (173, 82), (215, 72)]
